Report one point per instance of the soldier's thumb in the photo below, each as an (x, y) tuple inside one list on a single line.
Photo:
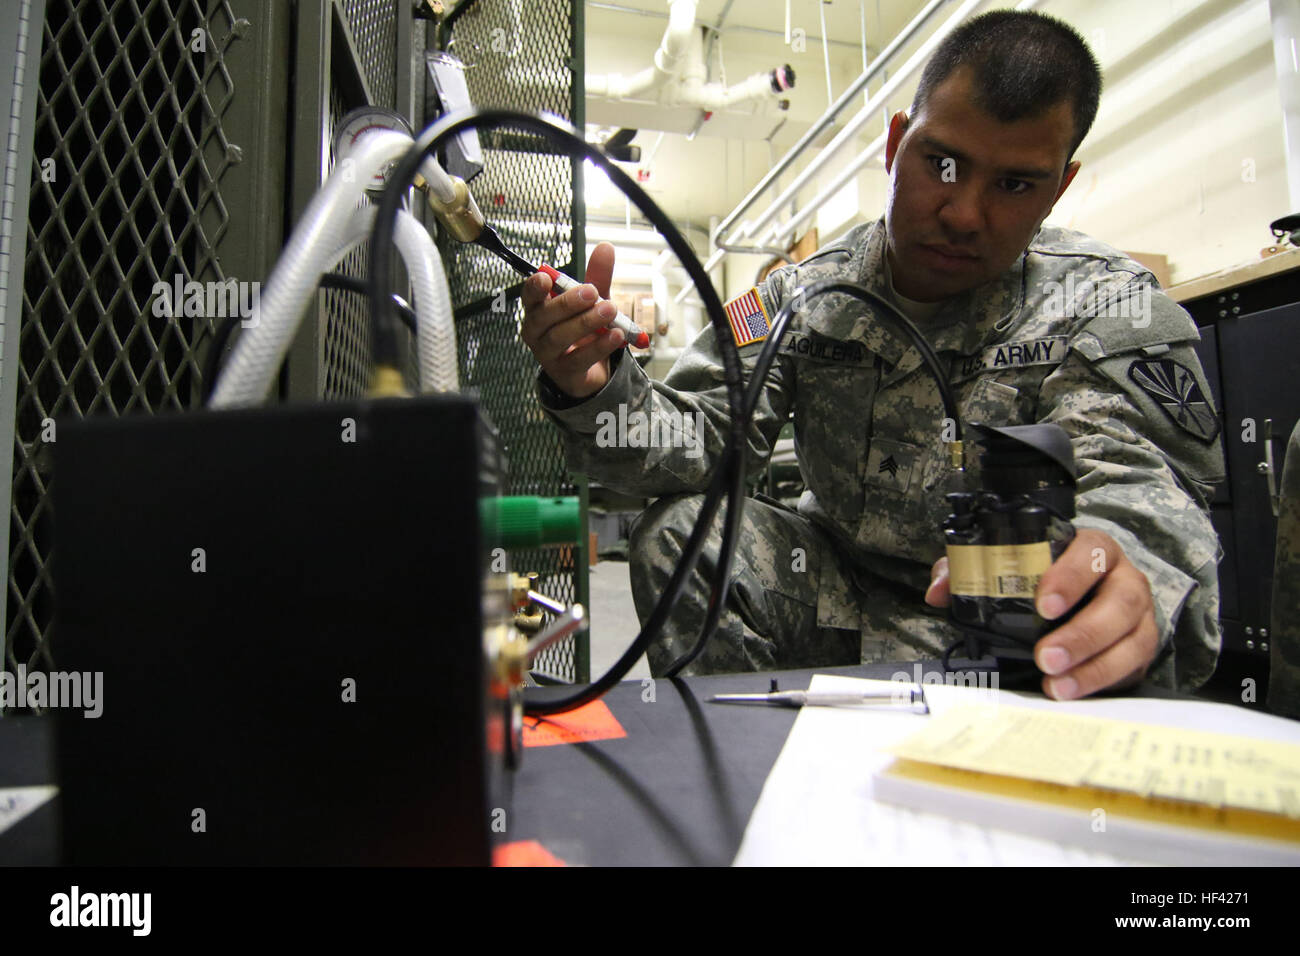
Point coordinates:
[(936, 594)]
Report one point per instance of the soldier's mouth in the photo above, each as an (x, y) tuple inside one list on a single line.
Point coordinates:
[(949, 257)]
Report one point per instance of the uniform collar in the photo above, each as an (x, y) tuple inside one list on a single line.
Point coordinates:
[(966, 323)]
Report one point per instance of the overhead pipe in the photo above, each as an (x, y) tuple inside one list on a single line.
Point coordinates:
[(679, 74), (827, 119), (668, 59), (784, 233), (865, 115)]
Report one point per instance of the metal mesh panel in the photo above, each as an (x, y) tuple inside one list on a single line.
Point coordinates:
[(129, 154), (519, 56), (345, 360), (374, 31)]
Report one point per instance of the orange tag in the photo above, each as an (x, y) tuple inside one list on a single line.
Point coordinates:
[(524, 853), (590, 722)]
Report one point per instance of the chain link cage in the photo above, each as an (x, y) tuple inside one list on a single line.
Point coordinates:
[(129, 161), (526, 57), (159, 157), (162, 128)]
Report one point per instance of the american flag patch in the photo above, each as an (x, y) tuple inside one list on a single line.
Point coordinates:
[(748, 318)]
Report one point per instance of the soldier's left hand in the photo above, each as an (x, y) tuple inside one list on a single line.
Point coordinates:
[(1111, 641)]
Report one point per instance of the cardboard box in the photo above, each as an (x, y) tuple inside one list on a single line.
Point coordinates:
[(645, 314), (1158, 264)]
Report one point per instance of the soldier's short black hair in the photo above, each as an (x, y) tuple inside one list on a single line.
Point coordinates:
[(1024, 63)]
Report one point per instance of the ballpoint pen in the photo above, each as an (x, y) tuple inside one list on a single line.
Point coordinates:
[(911, 698)]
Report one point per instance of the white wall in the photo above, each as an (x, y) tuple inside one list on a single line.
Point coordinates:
[(1186, 157)]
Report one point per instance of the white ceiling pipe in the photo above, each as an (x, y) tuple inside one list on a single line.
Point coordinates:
[(827, 119), (784, 233), (668, 59), (864, 115), (693, 91), (625, 237), (679, 74)]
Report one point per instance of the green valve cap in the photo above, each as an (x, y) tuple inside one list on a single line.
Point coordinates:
[(526, 521)]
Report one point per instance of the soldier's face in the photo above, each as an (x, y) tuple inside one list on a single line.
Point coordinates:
[(966, 192)]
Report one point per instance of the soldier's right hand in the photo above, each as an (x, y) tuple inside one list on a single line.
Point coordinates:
[(570, 334)]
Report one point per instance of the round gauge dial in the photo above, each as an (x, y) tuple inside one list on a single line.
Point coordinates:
[(357, 123)]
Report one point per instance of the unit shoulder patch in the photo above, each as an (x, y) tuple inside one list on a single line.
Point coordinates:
[(1175, 389)]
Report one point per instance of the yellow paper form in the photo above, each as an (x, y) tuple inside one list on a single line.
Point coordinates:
[(1217, 770)]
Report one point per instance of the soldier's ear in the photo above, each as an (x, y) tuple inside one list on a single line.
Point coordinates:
[(1070, 170), (897, 127)]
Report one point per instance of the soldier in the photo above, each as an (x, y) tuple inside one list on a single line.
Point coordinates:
[(1034, 323)]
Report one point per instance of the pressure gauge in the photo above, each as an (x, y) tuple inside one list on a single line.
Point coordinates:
[(360, 121)]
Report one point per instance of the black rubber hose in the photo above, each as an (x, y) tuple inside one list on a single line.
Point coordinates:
[(730, 476), (758, 378)]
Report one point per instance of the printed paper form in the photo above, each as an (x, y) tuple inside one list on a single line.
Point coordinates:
[(818, 807), (1073, 750)]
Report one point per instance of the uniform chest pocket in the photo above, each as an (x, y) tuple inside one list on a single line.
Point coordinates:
[(831, 417)]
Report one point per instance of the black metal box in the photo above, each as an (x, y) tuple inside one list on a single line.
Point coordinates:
[(285, 607)]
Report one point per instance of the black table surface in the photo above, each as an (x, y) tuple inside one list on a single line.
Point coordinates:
[(677, 790)]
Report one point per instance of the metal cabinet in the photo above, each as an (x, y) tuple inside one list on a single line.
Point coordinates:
[(1250, 348)]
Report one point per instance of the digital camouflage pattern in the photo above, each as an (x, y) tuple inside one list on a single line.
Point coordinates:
[(1076, 333), (1284, 652)]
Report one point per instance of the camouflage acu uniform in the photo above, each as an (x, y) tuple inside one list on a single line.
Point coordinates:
[(1076, 333), (1284, 671)]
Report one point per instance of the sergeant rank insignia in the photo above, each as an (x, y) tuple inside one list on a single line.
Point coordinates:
[(1175, 389), (748, 318)]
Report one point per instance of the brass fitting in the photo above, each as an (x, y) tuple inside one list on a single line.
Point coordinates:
[(387, 383), (520, 585), (512, 661), (957, 455), (461, 216)]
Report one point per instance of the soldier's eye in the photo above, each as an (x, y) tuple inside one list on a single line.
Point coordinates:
[(1016, 186)]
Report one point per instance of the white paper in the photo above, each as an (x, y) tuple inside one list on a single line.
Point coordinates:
[(817, 806)]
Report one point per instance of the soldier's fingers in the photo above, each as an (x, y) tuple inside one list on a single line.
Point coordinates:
[(600, 268), (1123, 662), (542, 312), (535, 290), (584, 354), (1122, 603), (1088, 559), (937, 594), (558, 324)]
